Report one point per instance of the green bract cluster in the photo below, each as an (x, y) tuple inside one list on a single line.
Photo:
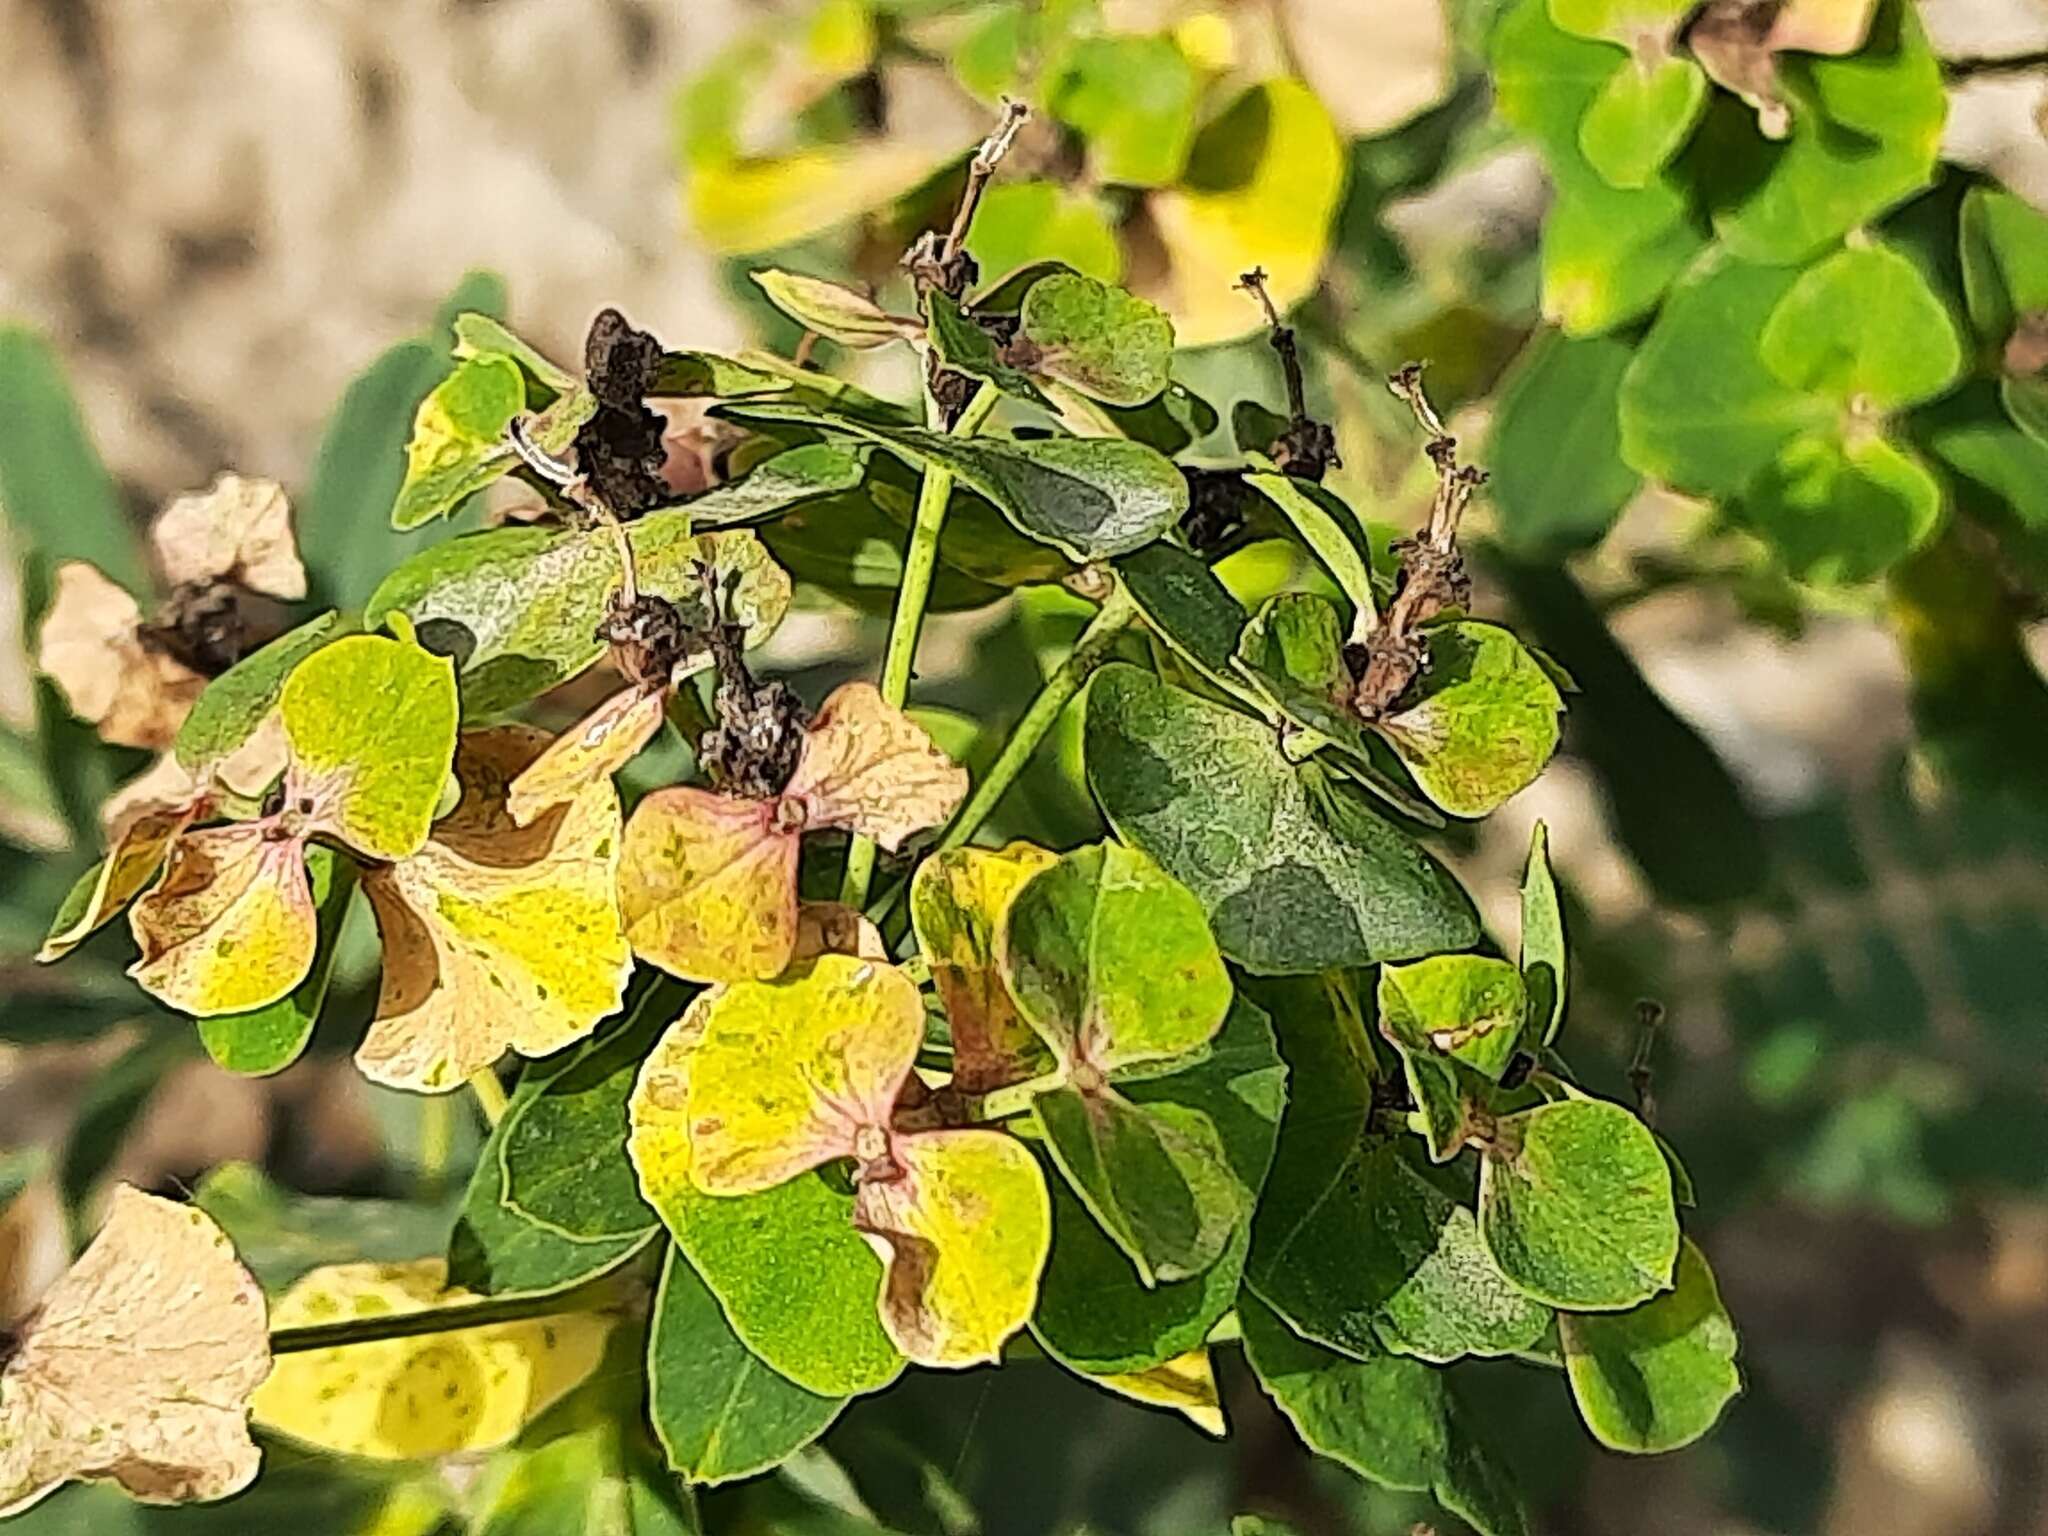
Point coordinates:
[(1245, 1070)]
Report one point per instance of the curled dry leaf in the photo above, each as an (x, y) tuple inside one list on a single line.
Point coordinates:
[(496, 935), (134, 854), (707, 881), (138, 1365), (785, 1076), (232, 924), (91, 646), (590, 751), (238, 530), (412, 1399)]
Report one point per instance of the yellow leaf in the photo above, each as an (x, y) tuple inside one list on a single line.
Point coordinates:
[(870, 768), (957, 902), (752, 205), (138, 1365), (90, 646), (964, 1228), (590, 751), (707, 885), (496, 935), (789, 1074), (130, 864), (1374, 63), (418, 1398), (231, 926), (1263, 183), (1186, 1384), (237, 530)]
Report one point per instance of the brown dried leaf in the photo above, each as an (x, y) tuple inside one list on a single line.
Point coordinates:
[(138, 1365), (90, 646), (135, 852), (870, 768), (236, 530), (496, 935)]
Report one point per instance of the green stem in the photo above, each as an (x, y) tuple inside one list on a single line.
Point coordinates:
[(411, 1325), (1088, 653), (920, 560), (490, 1094)]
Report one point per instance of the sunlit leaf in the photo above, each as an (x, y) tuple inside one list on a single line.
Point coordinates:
[(1467, 1007), (496, 936), (1132, 99), (137, 1365), (1656, 1377), (870, 768), (372, 775), (1111, 960), (1641, 118), (958, 899), (238, 702), (833, 310), (589, 752), (707, 885), (231, 926), (412, 1399), (265, 1040), (790, 1074), (1340, 554), (1575, 1206), (1544, 962), (1863, 328), (458, 442), (1185, 1384), (963, 1226), (1022, 222), (1481, 720), (1263, 182), (755, 205), (105, 890)]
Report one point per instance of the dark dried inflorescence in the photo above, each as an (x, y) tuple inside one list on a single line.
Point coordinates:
[(1219, 509), (1306, 448), (619, 451), (210, 625), (1432, 576), (649, 637), (753, 747)]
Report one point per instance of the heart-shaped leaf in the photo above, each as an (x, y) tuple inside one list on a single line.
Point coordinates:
[(1863, 328), (1642, 118), (1481, 721)]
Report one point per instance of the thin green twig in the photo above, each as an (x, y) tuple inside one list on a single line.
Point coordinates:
[(411, 1325)]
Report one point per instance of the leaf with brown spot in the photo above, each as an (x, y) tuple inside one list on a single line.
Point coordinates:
[(707, 885), (237, 530), (138, 1365), (90, 646), (231, 926), (869, 767), (496, 936), (589, 752), (958, 900), (131, 863)]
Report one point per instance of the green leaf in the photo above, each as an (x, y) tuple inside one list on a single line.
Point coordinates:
[(1111, 960), (1154, 1177), (2026, 403), (561, 1150), (1467, 1007), (1291, 885), (962, 345), (1294, 651), (458, 444), (720, 1411), (1094, 1313), (266, 1040), (1341, 555), (2003, 244), (1627, 22), (1544, 964), (1392, 1421), (1657, 1377), (1576, 1208), (1864, 135), (1842, 511), (1093, 497), (344, 512), (235, 703), (1023, 222), (833, 310), (58, 498), (1484, 720), (375, 775), (1641, 118), (784, 480), (519, 608), (1108, 344), (1700, 410), (1352, 1245), (280, 1234), (1133, 99), (1184, 604), (1558, 480), (1863, 328)]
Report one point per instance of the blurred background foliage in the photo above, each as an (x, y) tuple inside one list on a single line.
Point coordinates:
[(1801, 810)]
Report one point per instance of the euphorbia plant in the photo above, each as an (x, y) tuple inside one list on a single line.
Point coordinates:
[(1242, 1070)]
